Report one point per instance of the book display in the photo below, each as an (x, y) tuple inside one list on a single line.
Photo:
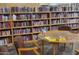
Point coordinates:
[(28, 22)]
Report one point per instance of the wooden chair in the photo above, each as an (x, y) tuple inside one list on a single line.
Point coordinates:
[(22, 46), (77, 51)]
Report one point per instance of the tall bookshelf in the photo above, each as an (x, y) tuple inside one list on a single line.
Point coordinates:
[(28, 21)]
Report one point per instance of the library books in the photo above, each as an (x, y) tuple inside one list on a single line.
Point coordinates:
[(73, 26), (39, 29), (1, 25), (22, 17), (60, 21), (5, 9), (4, 17), (21, 31), (30, 9), (5, 33), (18, 24), (44, 8), (29, 16), (64, 15), (35, 23), (54, 27), (44, 16), (4, 41), (5, 25), (22, 9), (65, 7)]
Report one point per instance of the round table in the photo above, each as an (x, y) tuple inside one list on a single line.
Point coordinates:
[(70, 38)]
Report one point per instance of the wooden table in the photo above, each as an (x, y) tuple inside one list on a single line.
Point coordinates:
[(55, 37)]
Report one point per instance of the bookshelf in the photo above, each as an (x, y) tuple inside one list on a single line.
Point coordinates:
[(28, 21)]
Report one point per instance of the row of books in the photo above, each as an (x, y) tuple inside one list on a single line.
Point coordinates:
[(29, 16), (5, 33), (4, 17), (26, 37), (5, 9), (22, 9), (39, 29), (64, 15), (21, 31), (44, 22), (73, 26), (44, 8), (49, 7), (5, 25), (17, 24), (60, 21), (5, 41), (65, 7)]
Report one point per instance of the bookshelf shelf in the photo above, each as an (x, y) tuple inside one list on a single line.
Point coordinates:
[(21, 20), (6, 21), (5, 13), (5, 28), (6, 36), (28, 22), (22, 27), (30, 12), (22, 34)]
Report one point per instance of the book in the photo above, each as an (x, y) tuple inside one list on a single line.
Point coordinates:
[(44, 8), (4, 9), (39, 29), (21, 31), (7, 25), (5, 33), (23, 9), (4, 41), (36, 23), (18, 24)]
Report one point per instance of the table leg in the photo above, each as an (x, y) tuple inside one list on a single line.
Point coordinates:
[(19, 52), (73, 48), (42, 47), (54, 49)]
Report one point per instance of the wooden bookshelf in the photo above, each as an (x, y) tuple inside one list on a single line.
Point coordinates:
[(40, 19)]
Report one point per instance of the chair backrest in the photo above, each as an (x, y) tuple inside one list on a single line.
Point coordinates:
[(19, 42)]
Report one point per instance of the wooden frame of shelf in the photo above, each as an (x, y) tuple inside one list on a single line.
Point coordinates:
[(32, 26)]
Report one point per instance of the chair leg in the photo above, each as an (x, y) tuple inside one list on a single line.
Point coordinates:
[(36, 52), (19, 52)]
